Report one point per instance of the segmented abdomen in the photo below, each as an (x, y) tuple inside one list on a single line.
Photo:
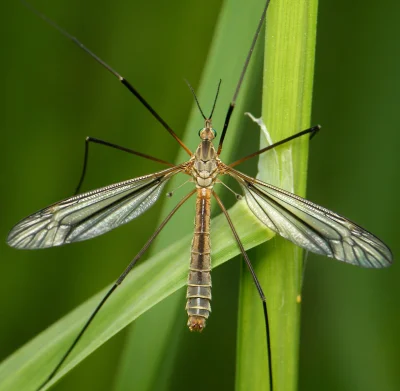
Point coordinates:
[(198, 295)]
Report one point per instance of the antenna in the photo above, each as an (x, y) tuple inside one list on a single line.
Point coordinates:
[(195, 98), (215, 100)]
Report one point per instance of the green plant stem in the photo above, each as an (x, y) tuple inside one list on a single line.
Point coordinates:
[(286, 109)]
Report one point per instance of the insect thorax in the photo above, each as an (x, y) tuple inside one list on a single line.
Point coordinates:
[(205, 164)]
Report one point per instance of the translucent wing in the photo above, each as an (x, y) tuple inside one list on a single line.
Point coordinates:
[(90, 214), (311, 226)]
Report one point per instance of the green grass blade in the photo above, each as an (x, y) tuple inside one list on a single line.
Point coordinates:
[(289, 67), (151, 281)]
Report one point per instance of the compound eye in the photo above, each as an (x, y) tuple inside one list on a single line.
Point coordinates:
[(213, 131)]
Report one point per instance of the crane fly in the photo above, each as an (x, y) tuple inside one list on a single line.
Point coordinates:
[(94, 213)]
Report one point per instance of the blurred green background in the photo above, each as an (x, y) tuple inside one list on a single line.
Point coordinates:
[(54, 96)]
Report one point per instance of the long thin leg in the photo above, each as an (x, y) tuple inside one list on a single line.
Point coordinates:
[(107, 144), (115, 286), (256, 282), (312, 130), (111, 70), (246, 64)]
